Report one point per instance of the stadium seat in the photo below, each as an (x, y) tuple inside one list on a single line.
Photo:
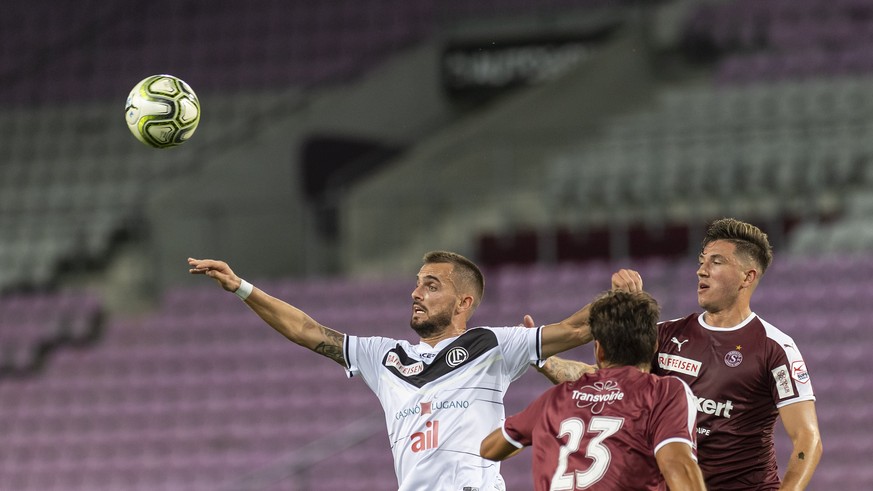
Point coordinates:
[(146, 408), (199, 394)]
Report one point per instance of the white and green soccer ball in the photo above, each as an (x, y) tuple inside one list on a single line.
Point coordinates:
[(162, 111)]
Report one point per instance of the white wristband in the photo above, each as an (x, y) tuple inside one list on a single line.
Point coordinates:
[(244, 290)]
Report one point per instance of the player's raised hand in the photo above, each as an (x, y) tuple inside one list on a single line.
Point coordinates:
[(528, 321), (627, 280), (217, 270)]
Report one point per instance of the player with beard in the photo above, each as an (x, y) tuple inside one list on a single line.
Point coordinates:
[(442, 395)]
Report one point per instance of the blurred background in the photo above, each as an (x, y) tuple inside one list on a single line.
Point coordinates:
[(552, 141)]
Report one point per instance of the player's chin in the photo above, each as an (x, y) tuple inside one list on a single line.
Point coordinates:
[(418, 323), (704, 303), (425, 329)]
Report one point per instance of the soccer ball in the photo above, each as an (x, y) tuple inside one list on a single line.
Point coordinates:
[(162, 111)]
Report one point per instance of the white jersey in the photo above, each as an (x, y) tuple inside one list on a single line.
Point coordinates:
[(440, 402)]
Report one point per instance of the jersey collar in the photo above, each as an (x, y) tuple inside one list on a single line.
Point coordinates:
[(725, 329)]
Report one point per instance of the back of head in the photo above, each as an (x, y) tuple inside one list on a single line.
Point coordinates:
[(465, 272), (626, 326), (751, 243)]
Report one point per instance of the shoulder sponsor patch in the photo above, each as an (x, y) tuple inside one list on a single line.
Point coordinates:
[(798, 372), (783, 381), (679, 364)]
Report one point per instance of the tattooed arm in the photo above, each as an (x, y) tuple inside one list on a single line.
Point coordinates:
[(559, 370), (574, 331), (286, 319), (801, 424)]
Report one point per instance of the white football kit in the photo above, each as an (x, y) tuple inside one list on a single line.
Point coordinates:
[(440, 402)]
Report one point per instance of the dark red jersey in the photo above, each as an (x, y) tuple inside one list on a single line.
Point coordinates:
[(740, 376), (601, 432)]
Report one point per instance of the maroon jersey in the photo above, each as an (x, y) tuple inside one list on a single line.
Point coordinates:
[(601, 432), (740, 376)]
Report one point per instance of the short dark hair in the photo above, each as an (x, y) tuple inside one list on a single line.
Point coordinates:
[(749, 240), (467, 271), (626, 326)]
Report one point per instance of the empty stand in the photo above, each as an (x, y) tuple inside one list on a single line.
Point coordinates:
[(72, 181), (33, 325), (199, 394)]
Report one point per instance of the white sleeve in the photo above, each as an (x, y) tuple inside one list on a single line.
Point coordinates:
[(790, 381), (364, 355), (520, 346)]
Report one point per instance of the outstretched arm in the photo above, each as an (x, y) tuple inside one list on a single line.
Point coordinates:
[(560, 370), (801, 424), (288, 320), (567, 334), (575, 331)]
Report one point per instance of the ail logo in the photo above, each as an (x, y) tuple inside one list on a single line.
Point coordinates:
[(427, 439)]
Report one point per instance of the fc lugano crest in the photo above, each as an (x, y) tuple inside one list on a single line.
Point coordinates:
[(457, 356)]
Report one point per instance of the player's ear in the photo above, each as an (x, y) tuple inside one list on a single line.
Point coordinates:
[(465, 303), (598, 353), (750, 276)]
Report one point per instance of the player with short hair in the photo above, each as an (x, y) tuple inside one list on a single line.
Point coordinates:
[(442, 395), (619, 427), (743, 371)]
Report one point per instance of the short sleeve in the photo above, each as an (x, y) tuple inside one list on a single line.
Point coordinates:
[(674, 415), (350, 352), (518, 429), (789, 379), (364, 355), (520, 346)]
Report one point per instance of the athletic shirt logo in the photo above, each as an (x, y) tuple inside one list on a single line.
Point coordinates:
[(456, 356), (468, 347), (733, 359), (605, 393)]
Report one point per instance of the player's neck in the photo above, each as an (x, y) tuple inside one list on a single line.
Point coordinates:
[(646, 367), (451, 331), (729, 317)]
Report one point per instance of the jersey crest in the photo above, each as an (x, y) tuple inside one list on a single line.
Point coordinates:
[(468, 347)]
